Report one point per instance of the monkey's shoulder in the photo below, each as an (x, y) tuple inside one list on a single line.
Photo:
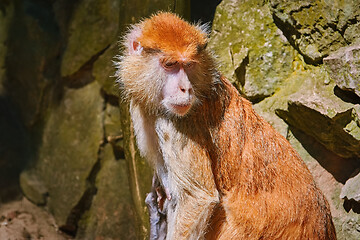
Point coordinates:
[(145, 134)]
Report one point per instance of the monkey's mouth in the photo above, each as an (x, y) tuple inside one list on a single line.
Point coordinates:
[(181, 109)]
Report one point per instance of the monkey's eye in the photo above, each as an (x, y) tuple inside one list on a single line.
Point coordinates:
[(170, 65)]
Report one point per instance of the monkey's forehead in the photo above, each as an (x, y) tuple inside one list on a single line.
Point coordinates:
[(170, 34)]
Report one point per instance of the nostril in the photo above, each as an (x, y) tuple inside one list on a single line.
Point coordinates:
[(186, 90)]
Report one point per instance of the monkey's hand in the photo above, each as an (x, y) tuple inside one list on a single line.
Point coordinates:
[(155, 202), (162, 195)]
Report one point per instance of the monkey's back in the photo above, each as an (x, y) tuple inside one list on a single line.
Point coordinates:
[(268, 192)]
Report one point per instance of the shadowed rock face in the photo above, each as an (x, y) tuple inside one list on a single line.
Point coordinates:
[(60, 114), (61, 121)]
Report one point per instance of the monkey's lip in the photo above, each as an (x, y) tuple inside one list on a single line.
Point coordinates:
[(181, 109)]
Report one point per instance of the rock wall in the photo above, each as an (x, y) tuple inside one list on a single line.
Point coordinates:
[(65, 136), (61, 117), (299, 63)]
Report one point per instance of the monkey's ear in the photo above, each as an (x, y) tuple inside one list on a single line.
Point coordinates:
[(136, 48), (133, 45)]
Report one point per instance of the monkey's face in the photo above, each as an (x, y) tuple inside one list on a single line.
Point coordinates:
[(177, 92), (158, 82), (166, 68)]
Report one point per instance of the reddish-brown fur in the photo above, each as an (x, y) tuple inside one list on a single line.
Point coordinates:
[(268, 193), (264, 189)]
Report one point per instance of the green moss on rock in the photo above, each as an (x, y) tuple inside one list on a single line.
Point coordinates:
[(316, 28), (69, 148), (318, 112), (33, 188), (344, 68), (254, 54), (6, 13), (112, 201), (104, 70), (93, 27)]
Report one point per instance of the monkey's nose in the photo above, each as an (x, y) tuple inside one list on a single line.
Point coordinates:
[(186, 89)]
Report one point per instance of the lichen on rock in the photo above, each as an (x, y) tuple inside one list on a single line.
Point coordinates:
[(344, 68), (253, 53), (93, 27)]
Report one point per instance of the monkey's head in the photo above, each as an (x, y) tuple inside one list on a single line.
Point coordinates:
[(165, 67)]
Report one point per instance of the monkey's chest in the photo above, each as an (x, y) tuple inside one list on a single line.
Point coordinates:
[(173, 145), (187, 162)]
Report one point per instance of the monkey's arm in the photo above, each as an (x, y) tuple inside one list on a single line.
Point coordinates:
[(148, 147), (188, 219), (191, 183), (191, 216)]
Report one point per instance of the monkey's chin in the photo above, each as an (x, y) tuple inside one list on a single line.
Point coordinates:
[(180, 109)]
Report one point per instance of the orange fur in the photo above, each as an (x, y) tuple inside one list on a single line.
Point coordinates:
[(231, 175), (268, 193), (173, 36)]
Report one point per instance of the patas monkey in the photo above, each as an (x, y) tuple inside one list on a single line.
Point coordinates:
[(225, 172)]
